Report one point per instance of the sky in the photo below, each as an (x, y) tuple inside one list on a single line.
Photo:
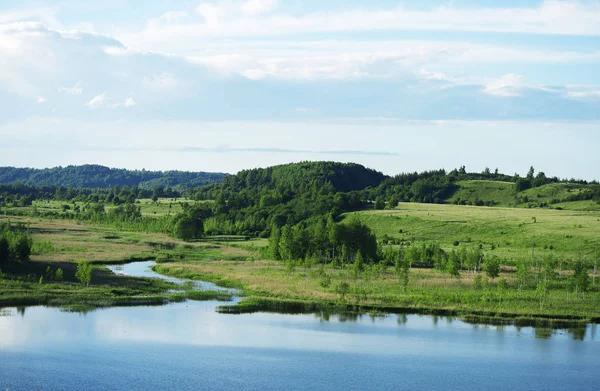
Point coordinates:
[(226, 85)]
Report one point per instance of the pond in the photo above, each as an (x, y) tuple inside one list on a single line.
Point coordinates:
[(189, 346)]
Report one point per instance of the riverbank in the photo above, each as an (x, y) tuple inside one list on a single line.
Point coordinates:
[(274, 287)]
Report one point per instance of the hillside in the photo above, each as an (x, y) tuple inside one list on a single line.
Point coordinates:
[(508, 233), (253, 201), (95, 176), (563, 195)]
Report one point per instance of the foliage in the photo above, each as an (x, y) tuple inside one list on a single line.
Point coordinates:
[(84, 273), (95, 176)]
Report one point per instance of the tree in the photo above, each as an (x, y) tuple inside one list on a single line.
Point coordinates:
[(84, 273), (342, 289), (453, 265), (523, 274), (359, 264), (530, 173), (273, 249), (58, 275), (4, 250), (580, 280), (185, 227), (403, 270), (380, 203), (393, 201), (22, 248), (492, 267)]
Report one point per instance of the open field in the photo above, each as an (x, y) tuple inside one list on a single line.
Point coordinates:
[(509, 233), (274, 284), (503, 194), (161, 207), (62, 244)]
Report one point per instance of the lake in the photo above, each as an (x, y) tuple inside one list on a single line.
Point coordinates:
[(189, 346)]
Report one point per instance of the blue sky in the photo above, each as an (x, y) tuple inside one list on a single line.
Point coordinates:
[(232, 84)]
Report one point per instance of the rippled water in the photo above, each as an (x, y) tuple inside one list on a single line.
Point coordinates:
[(187, 346)]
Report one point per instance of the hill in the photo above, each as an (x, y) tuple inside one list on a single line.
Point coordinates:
[(96, 176), (561, 195), (253, 201)]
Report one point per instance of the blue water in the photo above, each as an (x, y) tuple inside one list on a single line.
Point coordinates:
[(188, 346)]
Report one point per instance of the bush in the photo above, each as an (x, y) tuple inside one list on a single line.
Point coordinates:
[(84, 273)]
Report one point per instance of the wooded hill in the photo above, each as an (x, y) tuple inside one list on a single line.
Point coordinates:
[(95, 176)]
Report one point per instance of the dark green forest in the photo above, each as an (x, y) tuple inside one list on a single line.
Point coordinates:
[(95, 176)]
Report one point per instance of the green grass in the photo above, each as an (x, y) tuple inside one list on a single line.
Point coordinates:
[(503, 194), (505, 232), (496, 193)]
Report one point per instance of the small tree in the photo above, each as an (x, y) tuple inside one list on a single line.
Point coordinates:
[(58, 275), (580, 280), (22, 249), (4, 250), (523, 274), (492, 267), (84, 273), (403, 270), (359, 264), (342, 289)]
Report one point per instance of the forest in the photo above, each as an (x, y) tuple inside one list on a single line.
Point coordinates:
[(96, 176)]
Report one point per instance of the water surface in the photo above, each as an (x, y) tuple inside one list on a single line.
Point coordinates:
[(188, 346)]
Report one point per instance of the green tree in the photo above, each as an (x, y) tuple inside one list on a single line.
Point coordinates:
[(580, 280), (342, 289), (58, 275), (22, 248), (286, 243), (402, 270), (273, 249), (393, 201), (524, 275), (492, 267), (185, 227), (359, 264), (84, 273), (4, 250), (453, 265)]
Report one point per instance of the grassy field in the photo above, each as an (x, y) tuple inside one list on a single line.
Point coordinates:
[(162, 207), (62, 244), (508, 233), (500, 193), (503, 194)]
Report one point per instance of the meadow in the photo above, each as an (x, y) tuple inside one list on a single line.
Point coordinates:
[(507, 233)]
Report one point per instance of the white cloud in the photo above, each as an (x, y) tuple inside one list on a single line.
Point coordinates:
[(162, 81), (41, 99), (75, 90), (97, 102), (583, 92), (228, 19), (129, 102), (257, 7), (507, 85), (103, 101)]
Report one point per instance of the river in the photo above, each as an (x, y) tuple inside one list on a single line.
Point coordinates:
[(189, 346)]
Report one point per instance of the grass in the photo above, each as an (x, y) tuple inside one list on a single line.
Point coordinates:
[(503, 194), (271, 285), (508, 233), (498, 193)]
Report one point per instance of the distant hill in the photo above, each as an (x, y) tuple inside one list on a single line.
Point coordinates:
[(96, 176), (343, 177)]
